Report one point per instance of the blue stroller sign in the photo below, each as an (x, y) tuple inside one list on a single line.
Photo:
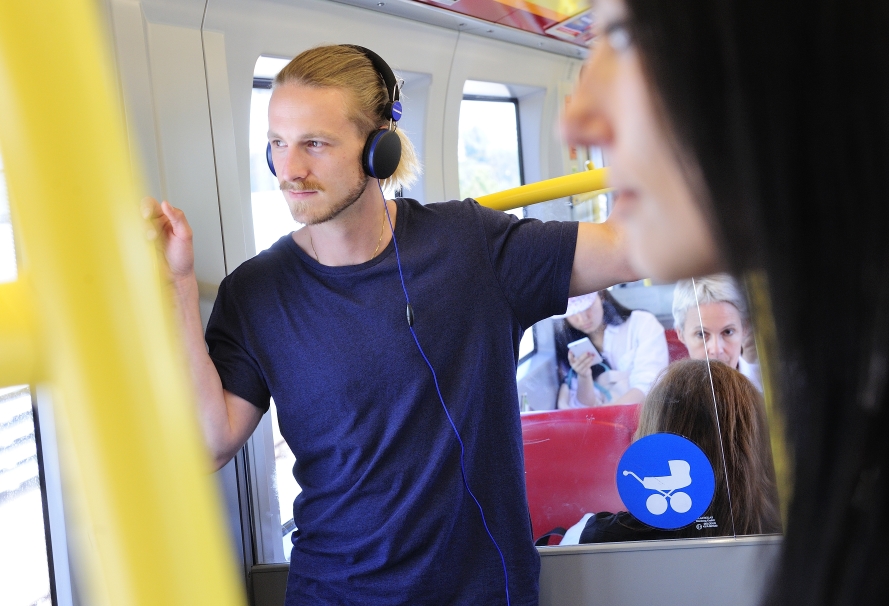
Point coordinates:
[(665, 481)]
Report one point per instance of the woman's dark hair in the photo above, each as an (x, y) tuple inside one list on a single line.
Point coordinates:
[(613, 314), (681, 402), (781, 113)]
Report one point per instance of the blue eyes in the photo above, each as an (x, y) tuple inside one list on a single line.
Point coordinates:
[(310, 144), (704, 336)]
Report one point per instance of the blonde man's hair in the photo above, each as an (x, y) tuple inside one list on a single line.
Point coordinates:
[(349, 69)]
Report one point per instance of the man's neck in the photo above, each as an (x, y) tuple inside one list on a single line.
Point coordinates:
[(354, 236)]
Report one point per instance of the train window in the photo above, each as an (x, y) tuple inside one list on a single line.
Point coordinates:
[(8, 271), (489, 152), (271, 218), (24, 562), (271, 221)]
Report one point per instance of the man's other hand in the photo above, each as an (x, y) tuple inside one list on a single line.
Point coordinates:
[(175, 235)]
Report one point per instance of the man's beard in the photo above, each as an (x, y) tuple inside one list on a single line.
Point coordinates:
[(302, 208)]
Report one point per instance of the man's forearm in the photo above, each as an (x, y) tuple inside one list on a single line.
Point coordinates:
[(601, 259), (212, 409)]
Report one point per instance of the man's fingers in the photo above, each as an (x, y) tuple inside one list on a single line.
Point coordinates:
[(177, 219)]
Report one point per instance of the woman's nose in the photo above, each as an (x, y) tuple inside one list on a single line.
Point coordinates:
[(586, 121)]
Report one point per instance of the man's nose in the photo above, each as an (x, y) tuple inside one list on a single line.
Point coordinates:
[(293, 164)]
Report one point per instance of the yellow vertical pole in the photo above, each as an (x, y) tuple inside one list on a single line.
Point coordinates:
[(147, 524)]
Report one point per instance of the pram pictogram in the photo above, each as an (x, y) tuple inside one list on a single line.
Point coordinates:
[(666, 486)]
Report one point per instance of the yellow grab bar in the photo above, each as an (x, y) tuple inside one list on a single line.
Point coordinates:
[(551, 189), (146, 526)]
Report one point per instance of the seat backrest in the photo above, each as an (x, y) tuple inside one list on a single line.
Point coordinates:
[(677, 349), (571, 459)]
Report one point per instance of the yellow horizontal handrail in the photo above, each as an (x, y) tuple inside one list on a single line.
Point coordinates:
[(146, 525), (551, 189)]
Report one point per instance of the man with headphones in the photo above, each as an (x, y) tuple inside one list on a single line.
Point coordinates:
[(387, 333)]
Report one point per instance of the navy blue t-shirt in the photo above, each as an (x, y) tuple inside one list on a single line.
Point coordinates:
[(383, 517)]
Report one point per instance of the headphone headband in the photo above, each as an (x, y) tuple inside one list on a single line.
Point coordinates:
[(392, 110)]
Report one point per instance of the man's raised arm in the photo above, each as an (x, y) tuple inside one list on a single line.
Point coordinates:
[(601, 258), (227, 420)]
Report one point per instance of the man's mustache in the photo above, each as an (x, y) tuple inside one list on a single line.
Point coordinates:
[(301, 185)]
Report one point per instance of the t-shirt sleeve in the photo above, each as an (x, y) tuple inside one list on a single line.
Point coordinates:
[(532, 262), (228, 348)]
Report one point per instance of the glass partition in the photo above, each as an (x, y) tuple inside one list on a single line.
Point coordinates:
[(658, 427)]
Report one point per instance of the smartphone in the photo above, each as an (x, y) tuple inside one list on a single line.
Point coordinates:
[(584, 345)]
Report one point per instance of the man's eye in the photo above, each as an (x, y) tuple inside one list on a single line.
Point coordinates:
[(315, 144), (277, 143)]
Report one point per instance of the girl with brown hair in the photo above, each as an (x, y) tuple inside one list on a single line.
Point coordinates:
[(733, 434)]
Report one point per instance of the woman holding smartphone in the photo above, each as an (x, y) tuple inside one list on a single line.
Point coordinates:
[(607, 354)]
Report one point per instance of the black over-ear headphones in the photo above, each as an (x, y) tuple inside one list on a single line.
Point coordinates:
[(382, 152)]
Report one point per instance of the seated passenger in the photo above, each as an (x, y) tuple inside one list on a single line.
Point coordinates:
[(722, 330), (631, 343), (682, 403)]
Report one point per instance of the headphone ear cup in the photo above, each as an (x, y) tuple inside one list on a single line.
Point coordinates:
[(268, 158), (382, 153)]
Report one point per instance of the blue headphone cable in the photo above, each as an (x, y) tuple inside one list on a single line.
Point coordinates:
[(410, 321)]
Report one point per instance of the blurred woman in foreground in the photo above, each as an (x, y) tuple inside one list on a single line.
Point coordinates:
[(754, 137)]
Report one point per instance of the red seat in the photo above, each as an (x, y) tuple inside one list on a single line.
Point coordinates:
[(677, 349), (571, 459)]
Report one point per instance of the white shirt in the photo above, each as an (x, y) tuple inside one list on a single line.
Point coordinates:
[(752, 372), (635, 351)]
